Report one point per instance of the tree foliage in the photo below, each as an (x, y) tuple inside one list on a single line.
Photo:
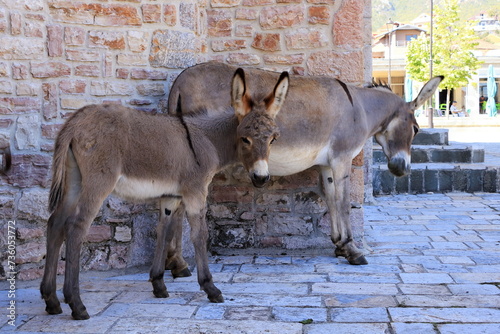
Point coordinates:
[(453, 42)]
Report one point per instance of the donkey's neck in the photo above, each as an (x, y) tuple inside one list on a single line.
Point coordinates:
[(220, 131), (380, 108)]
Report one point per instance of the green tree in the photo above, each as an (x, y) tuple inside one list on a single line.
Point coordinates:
[(453, 42)]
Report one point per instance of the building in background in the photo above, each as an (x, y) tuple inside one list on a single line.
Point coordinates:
[(389, 49)]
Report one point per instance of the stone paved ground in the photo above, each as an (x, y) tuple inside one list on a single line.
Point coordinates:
[(434, 268)]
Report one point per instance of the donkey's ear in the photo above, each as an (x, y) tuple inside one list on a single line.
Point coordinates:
[(426, 92), (239, 98), (275, 101)]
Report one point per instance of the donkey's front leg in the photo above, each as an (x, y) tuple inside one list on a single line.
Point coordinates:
[(337, 192), (169, 208), (199, 237)]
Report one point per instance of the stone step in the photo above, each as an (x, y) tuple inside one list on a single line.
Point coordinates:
[(437, 153), (438, 177), (431, 137)]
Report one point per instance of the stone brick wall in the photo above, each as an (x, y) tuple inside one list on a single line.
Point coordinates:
[(57, 56)]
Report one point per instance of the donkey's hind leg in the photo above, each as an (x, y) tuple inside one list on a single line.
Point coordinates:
[(76, 230), (174, 260), (199, 237), (55, 238), (56, 233), (170, 209)]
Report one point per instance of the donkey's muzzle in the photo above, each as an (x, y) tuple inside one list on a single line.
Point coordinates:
[(260, 180), (399, 166)]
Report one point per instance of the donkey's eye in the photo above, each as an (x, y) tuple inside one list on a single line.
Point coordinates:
[(415, 130), (245, 140)]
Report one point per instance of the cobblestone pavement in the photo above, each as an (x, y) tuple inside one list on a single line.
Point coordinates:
[(434, 268)]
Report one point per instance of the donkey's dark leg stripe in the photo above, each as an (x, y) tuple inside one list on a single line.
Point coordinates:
[(188, 134), (157, 277), (344, 86)]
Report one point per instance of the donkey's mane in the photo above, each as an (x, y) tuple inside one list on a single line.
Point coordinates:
[(378, 85)]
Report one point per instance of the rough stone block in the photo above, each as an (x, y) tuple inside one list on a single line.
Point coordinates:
[(243, 59), (16, 48), (151, 13), (30, 252), (55, 34), (170, 15), (431, 180), (99, 233), (419, 156), (224, 3), (228, 45), (83, 55), (246, 14), (25, 233), (87, 71), (188, 15), (319, 15), (343, 65), (490, 180), (50, 69), (49, 100), (72, 86), (151, 89), (110, 39), (284, 59), (27, 132), (220, 23), (402, 184), (16, 23), (244, 30), (267, 42), (74, 35), (173, 49), (460, 179), (123, 234), (349, 19), (305, 38), (475, 180), (19, 71), (281, 17), (33, 205), (446, 180), (416, 181), (137, 40)]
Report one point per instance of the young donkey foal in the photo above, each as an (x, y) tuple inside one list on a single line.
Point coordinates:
[(109, 148), (324, 123)]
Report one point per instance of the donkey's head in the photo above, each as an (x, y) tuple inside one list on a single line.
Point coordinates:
[(398, 133), (257, 128)]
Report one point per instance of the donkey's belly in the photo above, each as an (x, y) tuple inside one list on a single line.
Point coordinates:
[(288, 161), (131, 188)]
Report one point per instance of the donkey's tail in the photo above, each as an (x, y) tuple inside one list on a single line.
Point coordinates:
[(173, 100), (5, 160), (63, 145)]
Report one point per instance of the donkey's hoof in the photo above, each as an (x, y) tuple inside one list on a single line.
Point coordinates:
[(339, 252), (160, 293), (54, 310), (217, 299), (80, 315), (360, 260), (181, 273)]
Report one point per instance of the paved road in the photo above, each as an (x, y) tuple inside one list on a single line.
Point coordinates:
[(434, 268)]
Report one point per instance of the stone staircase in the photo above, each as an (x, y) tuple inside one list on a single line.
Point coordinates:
[(437, 166)]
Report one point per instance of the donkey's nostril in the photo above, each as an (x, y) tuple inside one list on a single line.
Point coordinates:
[(259, 180)]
